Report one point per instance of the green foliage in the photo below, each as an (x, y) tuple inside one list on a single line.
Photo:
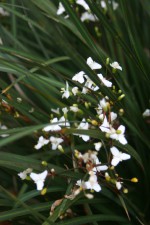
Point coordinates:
[(40, 52)]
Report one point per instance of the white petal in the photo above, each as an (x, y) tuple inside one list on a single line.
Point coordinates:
[(116, 65), (121, 128), (39, 184), (122, 140), (115, 161), (114, 151), (102, 168), (55, 110), (97, 187), (83, 3), (43, 175), (52, 127), (79, 182), (87, 185), (98, 145), (105, 127), (114, 136), (92, 64), (146, 113), (103, 4), (125, 156), (88, 16), (75, 90), (115, 5), (22, 175), (118, 185), (85, 137), (79, 77), (34, 176), (38, 146), (61, 9), (104, 81), (113, 116), (107, 83)]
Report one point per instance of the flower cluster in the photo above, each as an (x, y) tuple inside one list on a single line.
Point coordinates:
[(104, 120), (87, 14)]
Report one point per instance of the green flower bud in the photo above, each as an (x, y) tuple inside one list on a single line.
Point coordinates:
[(121, 97), (107, 61), (44, 163)]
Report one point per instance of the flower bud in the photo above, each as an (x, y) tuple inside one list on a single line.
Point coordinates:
[(87, 105), (60, 148), (44, 191), (28, 177), (89, 196), (19, 100), (107, 135), (121, 97), (134, 180), (107, 61), (94, 122), (52, 170), (44, 163), (125, 190), (121, 112), (112, 167)]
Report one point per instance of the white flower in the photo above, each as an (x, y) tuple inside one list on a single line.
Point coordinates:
[(55, 142), (74, 108), (39, 179), (92, 64), (88, 16), (3, 127), (92, 182), (66, 92), (24, 174), (64, 122), (115, 5), (75, 90), (56, 110), (116, 65), (99, 167), (90, 156), (41, 142), (52, 127), (81, 184), (79, 77), (61, 9), (98, 146), (105, 126), (83, 3), (103, 4), (65, 110), (85, 126), (89, 84), (118, 156), (104, 81), (103, 105), (146, 113), (119, 134)]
